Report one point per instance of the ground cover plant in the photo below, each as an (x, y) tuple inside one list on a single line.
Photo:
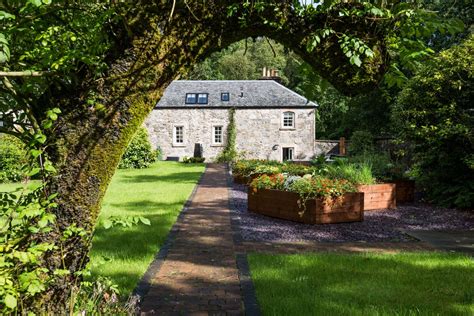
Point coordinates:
[(158, 194), (364, 284)]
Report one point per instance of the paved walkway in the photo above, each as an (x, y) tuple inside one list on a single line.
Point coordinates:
[(200, 275)]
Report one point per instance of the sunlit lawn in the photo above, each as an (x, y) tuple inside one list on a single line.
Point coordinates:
[(367, 284), (157, 193)]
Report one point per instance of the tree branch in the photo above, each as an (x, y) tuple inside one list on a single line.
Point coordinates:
[(25, 73)]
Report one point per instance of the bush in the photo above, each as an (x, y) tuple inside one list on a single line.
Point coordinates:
[(361, 142), (193, 159), (139, 153), (434, 114), (12, 158)]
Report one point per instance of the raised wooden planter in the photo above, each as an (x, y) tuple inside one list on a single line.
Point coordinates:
[(379, 196), (282, 204), (405, 191)]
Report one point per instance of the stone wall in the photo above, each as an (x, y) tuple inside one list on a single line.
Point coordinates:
[(259, 132)]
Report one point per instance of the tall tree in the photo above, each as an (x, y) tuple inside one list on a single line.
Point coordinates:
[(105, 65)]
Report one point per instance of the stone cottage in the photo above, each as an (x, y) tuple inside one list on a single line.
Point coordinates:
[(272, 121)]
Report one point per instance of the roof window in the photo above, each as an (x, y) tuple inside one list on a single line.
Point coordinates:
[(225, 96)]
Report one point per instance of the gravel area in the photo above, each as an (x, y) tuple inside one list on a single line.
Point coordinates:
[(383, 225)]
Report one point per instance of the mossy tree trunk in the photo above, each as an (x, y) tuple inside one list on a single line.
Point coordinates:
[(158, 44)]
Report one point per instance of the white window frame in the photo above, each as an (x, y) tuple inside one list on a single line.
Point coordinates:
[(175, 143), (293, 126), (213, 135)]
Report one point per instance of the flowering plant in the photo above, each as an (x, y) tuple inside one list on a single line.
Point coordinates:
[(275, 182)]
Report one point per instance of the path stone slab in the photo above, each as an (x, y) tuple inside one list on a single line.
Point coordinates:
[(456, 241)]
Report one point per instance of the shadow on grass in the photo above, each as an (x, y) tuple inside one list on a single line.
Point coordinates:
[(335, 284), (181, 177)]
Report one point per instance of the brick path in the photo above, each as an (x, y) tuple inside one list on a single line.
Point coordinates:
[(199, 275)]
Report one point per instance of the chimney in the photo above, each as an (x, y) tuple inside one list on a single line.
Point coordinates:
[(270, 74)]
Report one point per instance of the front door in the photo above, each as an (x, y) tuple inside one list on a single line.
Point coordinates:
[(287, 153)]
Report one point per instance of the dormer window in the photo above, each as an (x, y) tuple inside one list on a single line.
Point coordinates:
[(225, 96), (196, 98), (191, 98), (202, 98)]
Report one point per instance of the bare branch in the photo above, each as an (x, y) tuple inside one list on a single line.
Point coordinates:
[(26, 73)]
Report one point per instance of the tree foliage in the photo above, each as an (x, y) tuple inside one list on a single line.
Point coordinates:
[(434, 113)]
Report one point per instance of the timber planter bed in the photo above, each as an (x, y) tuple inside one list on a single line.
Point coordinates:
[(379, 196), (405, 191), (282, 204)]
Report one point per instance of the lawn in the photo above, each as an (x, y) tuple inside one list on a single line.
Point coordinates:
[(364, 284), (157, 193)]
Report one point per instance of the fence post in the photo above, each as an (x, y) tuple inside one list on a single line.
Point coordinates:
[(342, 146)]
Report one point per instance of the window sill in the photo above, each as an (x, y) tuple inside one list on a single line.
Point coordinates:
[(178, 145), (287, 129), (217, 145)]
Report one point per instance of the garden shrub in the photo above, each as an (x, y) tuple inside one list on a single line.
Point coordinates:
[(139, 153), (361, 142), (193, 159), (434, 114), (12, 158)]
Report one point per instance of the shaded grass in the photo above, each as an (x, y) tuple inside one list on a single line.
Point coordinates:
[(364, 284), (157, 193)]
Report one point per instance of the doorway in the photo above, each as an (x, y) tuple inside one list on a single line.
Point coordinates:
[(287, 153)]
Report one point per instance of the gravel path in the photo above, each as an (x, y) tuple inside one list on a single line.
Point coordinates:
[(377, 226)]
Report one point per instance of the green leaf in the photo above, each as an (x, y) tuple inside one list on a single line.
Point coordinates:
[(5, 16), (35, 153), (355, 60), (145, 220), (35, 2), (33, 172), (10, 301)]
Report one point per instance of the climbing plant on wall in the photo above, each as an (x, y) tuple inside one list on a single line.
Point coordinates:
[(229, 153)]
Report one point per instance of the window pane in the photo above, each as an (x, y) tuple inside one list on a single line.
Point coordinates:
[(202, 98), (288, 119), (218, 134), (225, 96), (191, 98), (179, 134)]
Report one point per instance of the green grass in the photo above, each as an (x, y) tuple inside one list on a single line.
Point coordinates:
[(364, 284), (157, 193)]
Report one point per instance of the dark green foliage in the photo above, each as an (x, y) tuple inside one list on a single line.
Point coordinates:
[(139, 153), (361, 142), (12, 158), (434, 113)]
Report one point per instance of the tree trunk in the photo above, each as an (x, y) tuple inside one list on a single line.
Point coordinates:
[(99, 119)]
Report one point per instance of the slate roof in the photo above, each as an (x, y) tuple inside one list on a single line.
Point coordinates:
[(243, 94)]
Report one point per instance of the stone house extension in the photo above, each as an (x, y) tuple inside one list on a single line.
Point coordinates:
[(272, 122)]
